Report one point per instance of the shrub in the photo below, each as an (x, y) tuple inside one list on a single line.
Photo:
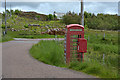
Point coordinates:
[(26, 26), (3, 26), (17, 12), (50, 17)]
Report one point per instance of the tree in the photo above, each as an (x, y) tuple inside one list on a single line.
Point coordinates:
[(93, 15), (17, 12), (8, 12), (3, 14), (12, 12), (50, 17), (71, 18), (100, 21), (87, 15), (55, 17)]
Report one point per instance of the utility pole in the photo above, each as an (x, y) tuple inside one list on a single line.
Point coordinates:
[(5, 19), (54, 15), (82, 13), (10, 10), (54, 24)]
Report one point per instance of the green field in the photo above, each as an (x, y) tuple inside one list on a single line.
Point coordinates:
[(51, 52)]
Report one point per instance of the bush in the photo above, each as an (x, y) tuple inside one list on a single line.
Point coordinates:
[(26, 26), (17, 12), (3, 26), (50, 17)]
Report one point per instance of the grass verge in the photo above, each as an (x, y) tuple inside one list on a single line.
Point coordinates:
[(23, 34), (48, 52), (52, 52), (5, 38)]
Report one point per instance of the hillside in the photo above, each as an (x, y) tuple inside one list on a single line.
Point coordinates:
[(30, 15), (33, 15)]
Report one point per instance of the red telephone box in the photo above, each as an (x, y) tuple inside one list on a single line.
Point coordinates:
[(75, 44)]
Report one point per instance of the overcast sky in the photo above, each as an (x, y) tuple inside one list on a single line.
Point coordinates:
[(63, 7)]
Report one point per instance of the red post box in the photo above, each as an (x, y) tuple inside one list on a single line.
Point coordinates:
[(75, 44), (82, 45)]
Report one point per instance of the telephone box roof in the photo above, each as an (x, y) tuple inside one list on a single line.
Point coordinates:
[(74, 25)]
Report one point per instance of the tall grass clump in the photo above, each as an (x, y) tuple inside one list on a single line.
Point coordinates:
[(5, 38), (94, 68), (49, 52)]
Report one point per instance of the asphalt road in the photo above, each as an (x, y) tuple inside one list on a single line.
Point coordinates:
[(17, 63)]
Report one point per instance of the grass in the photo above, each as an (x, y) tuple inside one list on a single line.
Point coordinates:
[(5, 38), (93, 60), (94, 68), (17, 22), (48, 52), (39, 36), (25, 34), (51, 52)]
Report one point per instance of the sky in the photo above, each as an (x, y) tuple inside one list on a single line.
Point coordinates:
[(63, 7), (61, 0)]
